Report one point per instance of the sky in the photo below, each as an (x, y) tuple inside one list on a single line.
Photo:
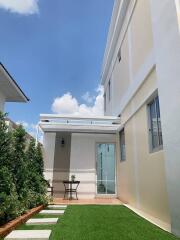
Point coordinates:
[(54, 50)]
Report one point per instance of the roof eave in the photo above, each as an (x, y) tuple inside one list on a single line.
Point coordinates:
[(22, 95)]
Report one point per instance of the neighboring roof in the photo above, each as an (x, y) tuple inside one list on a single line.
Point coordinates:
[(9, 88), (60, 123), (12, 125)]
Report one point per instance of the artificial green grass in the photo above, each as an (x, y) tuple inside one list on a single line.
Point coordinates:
[(97, 222)]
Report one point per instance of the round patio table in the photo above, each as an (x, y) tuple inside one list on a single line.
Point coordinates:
[(70, 187)]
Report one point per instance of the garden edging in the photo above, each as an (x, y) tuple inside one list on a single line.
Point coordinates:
[(8, 227)]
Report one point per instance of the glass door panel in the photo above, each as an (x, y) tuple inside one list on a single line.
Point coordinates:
[(105, 168)]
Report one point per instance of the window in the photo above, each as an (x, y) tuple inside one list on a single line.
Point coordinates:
[(122, 145), (109, 89), (119, 55), (104, 102), (156, 141)]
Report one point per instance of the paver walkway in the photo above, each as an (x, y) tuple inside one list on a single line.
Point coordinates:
[(57, 206), (37, 234), (41, 221), (53, 212), (29, 234)]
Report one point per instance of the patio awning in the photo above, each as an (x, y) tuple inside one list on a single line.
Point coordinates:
[(59, 123)]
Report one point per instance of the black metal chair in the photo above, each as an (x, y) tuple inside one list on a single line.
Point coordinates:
[(70, 187)]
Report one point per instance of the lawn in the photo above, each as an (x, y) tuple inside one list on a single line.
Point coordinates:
[(101, 223)]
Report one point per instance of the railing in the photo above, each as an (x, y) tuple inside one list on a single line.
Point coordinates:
[(71, 120)]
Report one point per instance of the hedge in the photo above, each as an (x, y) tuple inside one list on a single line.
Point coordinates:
[(22, 184)]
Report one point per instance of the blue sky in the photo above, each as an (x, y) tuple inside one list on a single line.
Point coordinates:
[(52, 48)]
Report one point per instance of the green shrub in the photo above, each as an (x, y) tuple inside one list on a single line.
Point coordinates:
[(9, 203), (22, 184), (36, 181), (5, 143)]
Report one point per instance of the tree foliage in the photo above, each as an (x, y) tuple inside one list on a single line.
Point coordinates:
[(22, 184), (5, 142)]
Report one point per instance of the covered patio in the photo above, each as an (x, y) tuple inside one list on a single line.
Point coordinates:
[(85, 148)]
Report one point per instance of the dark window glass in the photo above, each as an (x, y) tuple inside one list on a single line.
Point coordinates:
[(105, 102), (109, 89), (155, 124), (119, 55)]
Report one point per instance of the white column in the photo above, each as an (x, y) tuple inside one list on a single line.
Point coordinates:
[(49, 151), (167, 50)]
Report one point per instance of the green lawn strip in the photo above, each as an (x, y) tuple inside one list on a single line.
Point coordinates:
[(100, 223)]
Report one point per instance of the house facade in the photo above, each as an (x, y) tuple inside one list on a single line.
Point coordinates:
[(140, 75), (9, 89), (134, 154)]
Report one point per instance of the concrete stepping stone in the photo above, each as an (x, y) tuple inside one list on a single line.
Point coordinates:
[(29, 234), (41, 221), (53, 212), (57, 206)]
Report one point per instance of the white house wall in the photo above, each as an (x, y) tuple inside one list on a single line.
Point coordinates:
[(83, 160), (77, 157)]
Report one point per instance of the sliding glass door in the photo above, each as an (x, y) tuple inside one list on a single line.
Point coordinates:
[(105, 168)]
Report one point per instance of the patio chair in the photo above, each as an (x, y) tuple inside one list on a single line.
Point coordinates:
[(70, 187), (50, 188)]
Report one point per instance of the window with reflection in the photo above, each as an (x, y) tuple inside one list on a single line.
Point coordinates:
[(155, 129)]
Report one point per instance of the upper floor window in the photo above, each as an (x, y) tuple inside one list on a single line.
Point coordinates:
[(122, 145), (104, 102), (109, 89), (156, 141), (119, 55)]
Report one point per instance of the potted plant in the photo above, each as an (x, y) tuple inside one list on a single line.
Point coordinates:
[(73, 177)]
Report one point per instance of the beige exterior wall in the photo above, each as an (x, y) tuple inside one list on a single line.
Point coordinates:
[(166, 33), (141, 178), (141, 36), (135, 44), (121, 75)]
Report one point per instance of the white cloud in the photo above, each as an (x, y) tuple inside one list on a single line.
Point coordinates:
[(65, 104), (87, 97), (23, 123), (68, 105), (25, 7)]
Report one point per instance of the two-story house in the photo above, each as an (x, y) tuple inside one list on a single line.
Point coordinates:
[(140, 75), (134, 154)]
